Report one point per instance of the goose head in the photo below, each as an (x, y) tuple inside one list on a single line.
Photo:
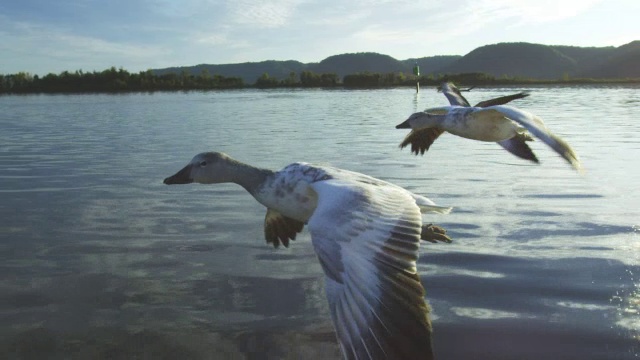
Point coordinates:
[(419, 120), (204, 168)]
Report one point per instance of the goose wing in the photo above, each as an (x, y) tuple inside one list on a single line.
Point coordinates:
[(280, 229), (517, 146), (501, 100), (453, 94), (421, 140), (535, 126), (367, 236)]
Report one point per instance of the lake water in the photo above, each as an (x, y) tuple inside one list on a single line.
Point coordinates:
[(99, 259)]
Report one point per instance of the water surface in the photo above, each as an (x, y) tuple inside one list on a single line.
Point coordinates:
[(101, 260)]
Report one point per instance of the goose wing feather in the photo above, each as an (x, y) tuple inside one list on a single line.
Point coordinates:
[(279, 229), (454, 95), (501, 100), (367, 236), (535, 126)]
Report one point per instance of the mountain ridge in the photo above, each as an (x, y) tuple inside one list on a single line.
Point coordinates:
[(509, 59)]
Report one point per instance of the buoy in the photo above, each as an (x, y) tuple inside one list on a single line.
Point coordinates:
[(416, 72)]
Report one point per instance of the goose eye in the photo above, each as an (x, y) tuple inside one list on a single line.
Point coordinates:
[(203, 163)]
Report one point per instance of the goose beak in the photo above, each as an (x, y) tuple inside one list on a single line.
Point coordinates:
[(181, 177), (404, 125)]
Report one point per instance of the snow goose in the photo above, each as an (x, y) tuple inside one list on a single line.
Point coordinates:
[(487, 121), (366, 233), (422, 139)]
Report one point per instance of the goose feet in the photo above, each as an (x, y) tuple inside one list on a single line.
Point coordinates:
[(433, 233)]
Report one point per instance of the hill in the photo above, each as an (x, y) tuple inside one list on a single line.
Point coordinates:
[(515, 60), (519, 60), (551, 61), (431, 64), (346, 64), (622, 62), (343, 64)]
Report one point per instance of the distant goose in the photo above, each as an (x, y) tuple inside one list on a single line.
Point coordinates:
[(492, 121), (366, 233), (421, 139)]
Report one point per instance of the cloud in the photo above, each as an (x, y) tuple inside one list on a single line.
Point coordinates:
[(262, 14), (178, 9), (212, 39), (532, 11), (447, 23), (336, 19), (50, 45), (220, 40), (376, 33)]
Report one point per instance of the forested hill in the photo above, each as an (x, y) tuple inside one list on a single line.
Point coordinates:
[(341, 65), (519, 60), (550, 62), (622, 62)]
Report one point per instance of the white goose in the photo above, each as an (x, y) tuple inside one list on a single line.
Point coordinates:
[(487, 121), (366, 233)]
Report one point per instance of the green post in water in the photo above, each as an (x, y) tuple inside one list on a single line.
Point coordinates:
[(416, 72)]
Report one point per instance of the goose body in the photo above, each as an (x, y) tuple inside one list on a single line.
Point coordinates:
[(462, 121), (366, 233), (507, 125)]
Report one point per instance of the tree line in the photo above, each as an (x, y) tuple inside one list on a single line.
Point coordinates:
[(120, 80), (113, 80)]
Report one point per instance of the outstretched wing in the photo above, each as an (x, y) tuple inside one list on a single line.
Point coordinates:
[(367, 236), (453, 94), (502, 100), (455, 97), (536, 127)]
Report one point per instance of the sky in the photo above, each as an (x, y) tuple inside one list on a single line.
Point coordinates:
[(51, 36)]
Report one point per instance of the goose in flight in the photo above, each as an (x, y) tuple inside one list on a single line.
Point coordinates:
[(421, 139), (487, 121), (366, 233)]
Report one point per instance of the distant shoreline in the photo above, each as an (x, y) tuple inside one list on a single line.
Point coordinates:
[(121, 81), (423, 86)]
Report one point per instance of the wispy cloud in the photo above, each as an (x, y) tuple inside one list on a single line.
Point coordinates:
[(219, 39), (212, 39), (262, 14), (71, 51), (381, 34), (532, 11)]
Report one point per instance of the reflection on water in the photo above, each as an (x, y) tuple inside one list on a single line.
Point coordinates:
[(101, 260)]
